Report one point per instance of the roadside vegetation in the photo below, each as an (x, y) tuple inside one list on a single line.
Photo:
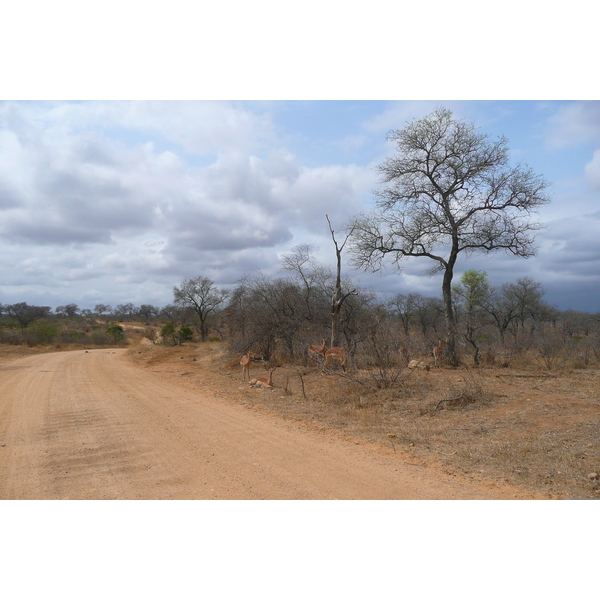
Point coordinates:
[(522, 406), (515, 394)]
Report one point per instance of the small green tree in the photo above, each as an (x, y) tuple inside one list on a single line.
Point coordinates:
[(44, 332), (169, 334), (185, 333), (473, 293), (117, 333), (173, 336)]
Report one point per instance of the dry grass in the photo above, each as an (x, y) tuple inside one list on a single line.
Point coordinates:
[(528, 427), (525, 425)]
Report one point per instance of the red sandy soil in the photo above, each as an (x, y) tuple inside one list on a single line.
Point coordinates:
[(92, 424)]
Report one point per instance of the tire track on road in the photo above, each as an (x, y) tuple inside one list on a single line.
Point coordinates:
[(91, 425)]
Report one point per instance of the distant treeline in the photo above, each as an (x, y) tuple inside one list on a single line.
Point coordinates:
[(279, 317)]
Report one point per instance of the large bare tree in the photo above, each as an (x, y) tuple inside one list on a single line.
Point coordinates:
[(200, 295), (449, 189)]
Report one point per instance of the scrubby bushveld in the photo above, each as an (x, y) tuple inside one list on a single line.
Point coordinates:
[(519, 424), (523, 407), (278, 318), (58, 329)]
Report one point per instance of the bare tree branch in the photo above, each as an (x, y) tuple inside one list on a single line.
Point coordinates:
[(448, 190)]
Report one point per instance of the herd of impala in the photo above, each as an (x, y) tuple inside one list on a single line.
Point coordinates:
[(327, 355)]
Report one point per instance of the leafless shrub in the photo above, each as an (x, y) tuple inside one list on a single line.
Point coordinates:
[(489, 357), (581, 352), (551, 348), (287, 388), (472, 391), (151, 334), (379, 355)]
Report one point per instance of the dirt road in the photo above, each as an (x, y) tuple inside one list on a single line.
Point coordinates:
[(92, 425)]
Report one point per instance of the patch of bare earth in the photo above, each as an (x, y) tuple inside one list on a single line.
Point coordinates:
[(93, 424), (522, 427)]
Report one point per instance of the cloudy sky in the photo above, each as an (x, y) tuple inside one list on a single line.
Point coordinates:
[(118, 201), (269, 120)]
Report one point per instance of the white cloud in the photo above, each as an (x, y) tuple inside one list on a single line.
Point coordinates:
[(119, 201), (572, 244), (334, 190), (200, 128), (399, 113), (134, 209), (575, 123), (396, 116), (592, 171)]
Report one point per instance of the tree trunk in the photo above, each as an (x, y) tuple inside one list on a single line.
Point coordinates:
[(202, 327), (336, 306), (471, 338), (337, 298), (449, 315)]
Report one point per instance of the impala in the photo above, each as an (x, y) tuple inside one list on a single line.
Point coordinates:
[(404, 354), (245, 363), (336, 354), (438, 352), (317, 349), (262, 382)]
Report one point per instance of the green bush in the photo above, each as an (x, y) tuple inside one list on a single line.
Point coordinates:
[(99, 338), (44, 333), (75, 337), (185, 333), (116, 332), (167, 333), (174, 337)]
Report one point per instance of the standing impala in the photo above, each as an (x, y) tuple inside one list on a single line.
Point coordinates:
[(317, 349), (405, 354), (438, 352), (336, 354), (245, 364)]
